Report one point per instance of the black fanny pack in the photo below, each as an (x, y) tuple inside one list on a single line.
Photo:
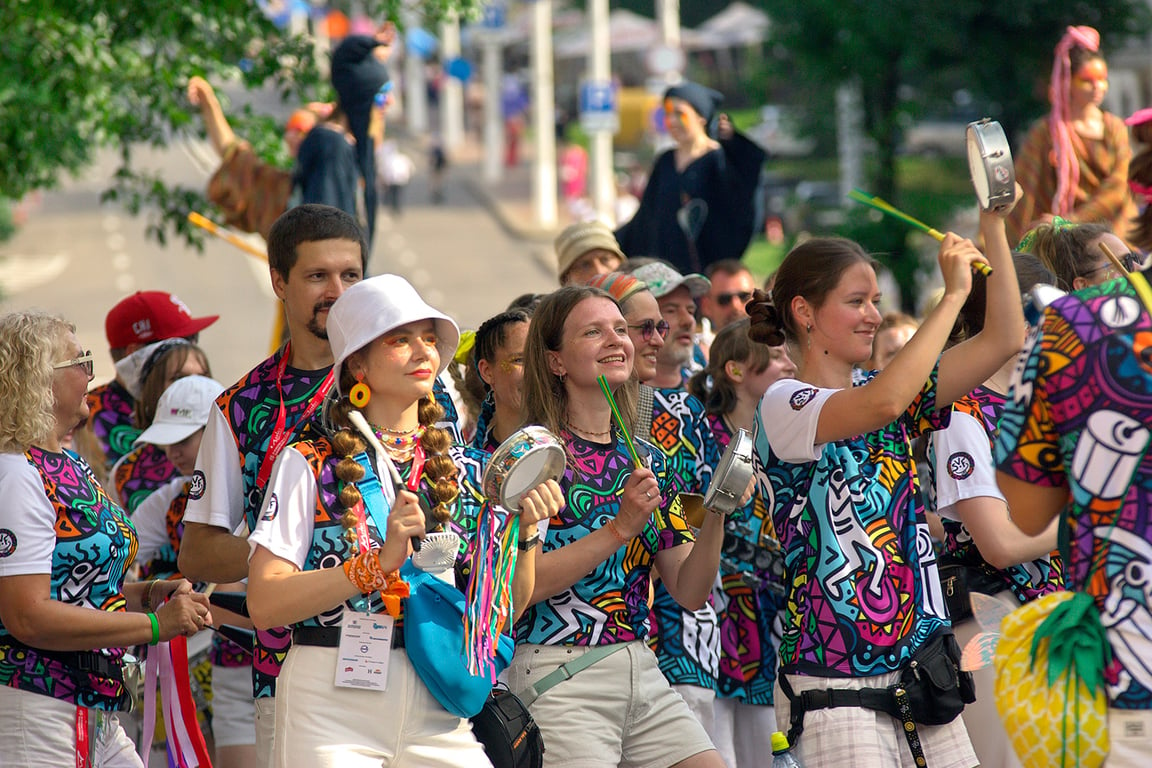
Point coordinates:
[(932, 690), (509, 734), (959, 581)]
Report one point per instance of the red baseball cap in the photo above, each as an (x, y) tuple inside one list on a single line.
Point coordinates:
[(148, 316)]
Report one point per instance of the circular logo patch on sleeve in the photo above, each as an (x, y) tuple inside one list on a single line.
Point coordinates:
[(7, 542), (801, 398), (197, 485), (272, 508), (960, 465)]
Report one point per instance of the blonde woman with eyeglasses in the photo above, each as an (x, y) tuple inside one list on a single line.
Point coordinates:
[(66, 615)]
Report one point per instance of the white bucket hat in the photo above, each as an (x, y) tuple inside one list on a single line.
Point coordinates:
[(182, 409), (373, 307)]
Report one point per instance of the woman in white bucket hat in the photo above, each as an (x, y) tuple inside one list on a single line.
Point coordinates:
[(363, 703)]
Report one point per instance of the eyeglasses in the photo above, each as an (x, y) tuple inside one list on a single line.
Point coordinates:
[(1128, 259), (650, 326), (724, 299), (85, 361)]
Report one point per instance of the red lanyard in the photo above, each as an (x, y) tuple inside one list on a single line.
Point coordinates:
[(83, 745), (363, 541), (280, 435)]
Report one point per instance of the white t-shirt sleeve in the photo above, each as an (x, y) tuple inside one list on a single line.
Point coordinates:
[(789, 414), (964, 467), (151, 519), (219, 500), (285, 524), (27, 519)]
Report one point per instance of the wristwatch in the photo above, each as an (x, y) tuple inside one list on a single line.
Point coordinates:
[(529, 542)]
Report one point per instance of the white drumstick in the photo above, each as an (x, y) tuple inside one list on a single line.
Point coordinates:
[(382, 457)]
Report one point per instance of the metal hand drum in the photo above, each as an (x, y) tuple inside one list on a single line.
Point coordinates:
[(526, 459), (990, 163), (732, 474)]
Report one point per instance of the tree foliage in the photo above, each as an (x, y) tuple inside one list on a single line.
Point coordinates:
[(78, 76), (910, 56)]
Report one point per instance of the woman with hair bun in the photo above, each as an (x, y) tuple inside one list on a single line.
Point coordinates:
[(497, 361), (833, 456), (319, 539)]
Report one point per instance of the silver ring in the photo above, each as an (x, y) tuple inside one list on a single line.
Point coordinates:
[(648, 495)]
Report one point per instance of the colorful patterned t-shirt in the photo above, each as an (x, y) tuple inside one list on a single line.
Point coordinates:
[(686, 643), (749, 598), (139, 473), (863, 589), (111, 417), (224, 489), (610, 604), (1079, 417), (301, 520), (57, 520), (960, 467)]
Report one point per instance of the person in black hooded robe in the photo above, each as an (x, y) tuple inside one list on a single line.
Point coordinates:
[(358, 74), (698, 207)]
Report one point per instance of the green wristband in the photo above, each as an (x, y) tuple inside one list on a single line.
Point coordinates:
[(155, 628)]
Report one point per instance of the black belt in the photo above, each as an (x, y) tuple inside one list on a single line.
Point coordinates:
[(829, 698), (85, 662), (329, 637)]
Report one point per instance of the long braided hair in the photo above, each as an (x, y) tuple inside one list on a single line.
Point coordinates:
[(440, 471)]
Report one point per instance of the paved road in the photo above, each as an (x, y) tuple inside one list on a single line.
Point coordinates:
[(78, 258)]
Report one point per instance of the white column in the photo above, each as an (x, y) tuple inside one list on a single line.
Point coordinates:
[(493, 120), (602, 180), (668, 15), (415, 88), (452, 92), (850, 143), (543, 116)]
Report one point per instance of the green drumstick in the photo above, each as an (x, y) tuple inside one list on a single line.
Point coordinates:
[(619, 421)]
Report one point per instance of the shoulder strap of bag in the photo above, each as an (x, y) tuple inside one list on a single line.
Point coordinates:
[(565, 671)]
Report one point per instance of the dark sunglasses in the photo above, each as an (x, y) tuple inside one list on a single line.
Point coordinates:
[(1127, 259), (650, 326), (724, 299)]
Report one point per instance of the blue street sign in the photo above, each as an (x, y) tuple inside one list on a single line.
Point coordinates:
[(599, 106)]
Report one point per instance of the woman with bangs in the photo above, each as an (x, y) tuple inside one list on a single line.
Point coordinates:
[(498, 362), (334, 533), (833, 457), (589, 607), (750, 592)]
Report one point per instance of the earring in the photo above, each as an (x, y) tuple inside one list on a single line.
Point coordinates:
[(808, 332), (561, 377), (737, 372), (359, 395)]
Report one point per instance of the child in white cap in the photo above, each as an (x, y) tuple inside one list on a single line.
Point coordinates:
[(181, 415)]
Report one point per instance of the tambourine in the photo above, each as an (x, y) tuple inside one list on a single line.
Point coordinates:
[(529, 457), (732, 475), (990, 163)]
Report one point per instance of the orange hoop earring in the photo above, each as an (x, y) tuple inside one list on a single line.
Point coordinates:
[(359, 394)]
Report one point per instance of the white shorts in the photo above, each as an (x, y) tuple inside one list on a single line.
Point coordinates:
[(233, 709), (865, 738), (620, 711), (265, 726), (1129, 737), (38, 731), (321, 726)]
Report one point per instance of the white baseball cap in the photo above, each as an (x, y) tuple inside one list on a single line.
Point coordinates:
[(182, 409), (373, 307), (662, 279)]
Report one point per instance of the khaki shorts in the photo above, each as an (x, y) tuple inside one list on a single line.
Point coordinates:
[(865, 738), (621, 711)]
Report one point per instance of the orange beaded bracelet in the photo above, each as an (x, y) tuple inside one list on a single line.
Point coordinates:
[(611, 526)]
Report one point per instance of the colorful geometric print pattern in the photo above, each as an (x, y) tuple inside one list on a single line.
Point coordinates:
[(484, 439), (747, 602), (610, 604), (329, 547), (451, 420), (1027, 581), (141, 472), (251, 406), (860, 568), (224, 652), (88, 567), (1079, 417), (686, 643), (680, 430), (111, 413)]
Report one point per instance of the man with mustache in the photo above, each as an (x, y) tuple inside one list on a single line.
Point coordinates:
[(315, 252)]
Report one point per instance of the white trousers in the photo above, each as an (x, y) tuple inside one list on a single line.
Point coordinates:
[(38, 731), (743, 732), (321, 726)]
